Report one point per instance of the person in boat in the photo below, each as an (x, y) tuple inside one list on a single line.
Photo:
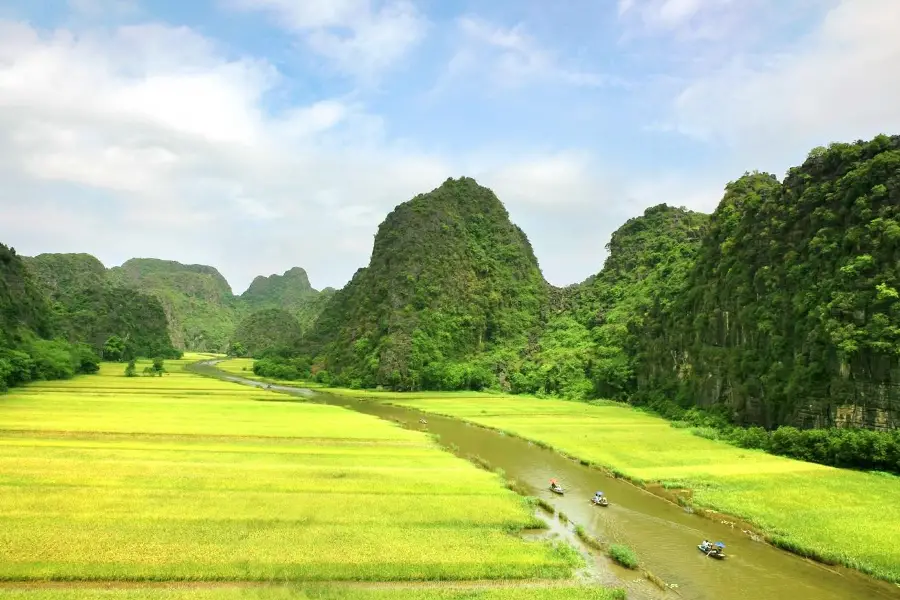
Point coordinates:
[(705, 546), (598, 497), (554, 485)]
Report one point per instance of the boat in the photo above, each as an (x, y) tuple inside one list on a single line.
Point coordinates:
[(714, 551), (599, 500), (554, 487)]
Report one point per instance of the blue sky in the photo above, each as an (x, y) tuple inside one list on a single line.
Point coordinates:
[(256, 135)]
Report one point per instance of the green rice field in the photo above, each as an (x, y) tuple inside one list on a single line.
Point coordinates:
[(192, 479), (836, 515), (446, 592)]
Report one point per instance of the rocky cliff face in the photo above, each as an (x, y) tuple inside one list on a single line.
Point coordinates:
[(791, 313), (450, 277)]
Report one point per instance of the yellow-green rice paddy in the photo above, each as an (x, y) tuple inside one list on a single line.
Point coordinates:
[(183, 478)]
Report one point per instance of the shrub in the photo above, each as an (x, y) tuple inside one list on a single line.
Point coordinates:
[(623, 555)]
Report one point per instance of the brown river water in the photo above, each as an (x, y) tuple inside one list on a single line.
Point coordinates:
[(663, 535)]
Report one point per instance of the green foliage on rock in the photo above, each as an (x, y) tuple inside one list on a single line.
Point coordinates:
[(200, 309), (589, 345), (791, 313), (24, 309), (267, 330), (26, 351), (290, 291), (88, 308), (450, 279)]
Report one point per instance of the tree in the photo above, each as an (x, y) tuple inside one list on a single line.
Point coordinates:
[(158, 367), (114, 348), (131, 369), (236, 349)]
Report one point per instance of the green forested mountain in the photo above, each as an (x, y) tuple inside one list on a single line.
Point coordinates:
[(780, 308), (283, 290), (588, 346), (290, 291), (27, 352), (155, 306), (202, 311), (24, 309), (87, 307), (266, 330), (60, 275), (791, 313), (450, 280), (199, 305)]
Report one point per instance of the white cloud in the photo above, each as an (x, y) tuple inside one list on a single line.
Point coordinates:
[(511, 57), (839, 83), (360, 37), (150, 141), (168, 137), (698, 19)]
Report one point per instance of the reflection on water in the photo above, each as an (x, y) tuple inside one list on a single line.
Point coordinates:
[(664, 535)]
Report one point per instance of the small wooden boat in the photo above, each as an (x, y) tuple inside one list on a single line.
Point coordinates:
[(556, 489), (715, 551)]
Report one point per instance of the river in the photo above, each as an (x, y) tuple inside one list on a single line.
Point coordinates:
[(663, 535)]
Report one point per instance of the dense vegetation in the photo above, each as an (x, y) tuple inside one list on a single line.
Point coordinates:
[(199, 305), (781, 308), (451, 286), (117, 322), (791, 312), (589, 345), (201, 309), (265, 331), (290, 291), (27, 350)]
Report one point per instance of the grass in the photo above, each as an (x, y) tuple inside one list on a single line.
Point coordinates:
[(834, 515), (449, 592), (623, 555), (185, 478)]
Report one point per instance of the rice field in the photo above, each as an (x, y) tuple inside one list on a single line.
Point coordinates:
[(192, 479), (837, 515), (448, 592)]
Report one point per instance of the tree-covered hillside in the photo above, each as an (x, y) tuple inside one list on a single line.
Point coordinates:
[(791, 313), (60, 275), (589, 344), (450, 280), (200, 308), (88, 308), (27, 352), (267, 330), (290, 291)]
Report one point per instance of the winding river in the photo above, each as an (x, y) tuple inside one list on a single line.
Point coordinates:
[(664, 535)]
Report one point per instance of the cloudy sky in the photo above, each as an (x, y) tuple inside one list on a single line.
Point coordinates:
[(256, 135)]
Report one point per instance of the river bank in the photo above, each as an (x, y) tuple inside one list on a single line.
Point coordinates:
[(832, 515), (659, 531)]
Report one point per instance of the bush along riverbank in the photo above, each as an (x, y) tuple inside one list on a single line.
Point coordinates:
[(842, 447)]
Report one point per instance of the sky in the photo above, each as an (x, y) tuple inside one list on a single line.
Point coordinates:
[(258, 135)]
